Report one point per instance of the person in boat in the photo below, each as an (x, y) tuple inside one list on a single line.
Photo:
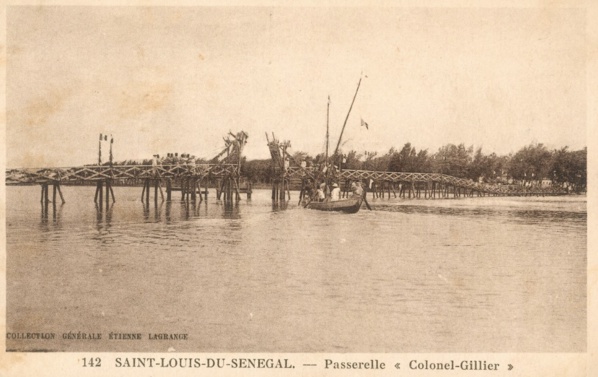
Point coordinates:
[(357, 189), (335, 194), (320, 195)]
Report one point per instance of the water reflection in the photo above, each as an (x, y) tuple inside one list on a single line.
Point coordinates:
[(187, 210), (279, 205), (103, 222), (231, 210), (529, 216), (168, 216), (56, 213), (417, 267)]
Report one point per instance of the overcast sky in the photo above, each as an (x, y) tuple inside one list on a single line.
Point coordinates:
[(178, 79)]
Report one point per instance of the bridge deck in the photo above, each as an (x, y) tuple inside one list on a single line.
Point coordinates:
[(96, 173), (139, 172), (427, 178)]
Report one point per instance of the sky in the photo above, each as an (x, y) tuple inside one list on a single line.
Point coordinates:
[(178, 79)]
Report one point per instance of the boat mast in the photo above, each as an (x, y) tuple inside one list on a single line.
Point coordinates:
[(347, 118), (327, 128)]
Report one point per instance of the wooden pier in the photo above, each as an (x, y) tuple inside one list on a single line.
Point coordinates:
[(175, 177), (387, 183), (184, 175), (419, 185)]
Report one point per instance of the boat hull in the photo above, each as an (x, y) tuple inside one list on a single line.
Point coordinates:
[(349, 205)]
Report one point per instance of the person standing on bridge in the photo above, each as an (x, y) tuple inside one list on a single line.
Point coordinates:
[(155, 165), (192, 165)]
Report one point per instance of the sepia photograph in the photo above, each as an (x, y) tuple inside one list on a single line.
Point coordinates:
[(310, 180)]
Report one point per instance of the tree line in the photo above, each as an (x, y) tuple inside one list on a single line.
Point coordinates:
[(533, 164)]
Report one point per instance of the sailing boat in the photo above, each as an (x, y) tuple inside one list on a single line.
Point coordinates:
[(346, 205)]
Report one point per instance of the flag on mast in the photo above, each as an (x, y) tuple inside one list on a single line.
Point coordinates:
[(364, 124), (111, 141)]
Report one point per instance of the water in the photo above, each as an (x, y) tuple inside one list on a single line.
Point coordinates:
[(465, 275)]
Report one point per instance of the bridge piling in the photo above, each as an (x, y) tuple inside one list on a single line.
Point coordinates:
[(100, 191), (168, 190), (60, 193), (43, 196), (147, 191), (111, 192), (155, 192), (107, 193), (193, 187)]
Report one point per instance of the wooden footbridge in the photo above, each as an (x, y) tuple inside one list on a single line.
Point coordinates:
[(380, 183), (174, 173), (425, 185)]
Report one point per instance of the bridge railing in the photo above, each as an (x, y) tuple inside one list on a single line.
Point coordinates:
[(102, 172), (410, 177)]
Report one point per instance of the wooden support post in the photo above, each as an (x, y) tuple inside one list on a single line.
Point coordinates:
[(54, 193), (223, 190), (237, 190), (95, 199), (199, 188), (155, 191), (107, 192), (107, 195), (161, 192), (301, 194), (60, 193), (229, 189), (169, 190), (101, 191), (45, 203), (193, 184), (147, 191), (41, 199), (142, 192), (111, 193), (221, 184), (249, 190)]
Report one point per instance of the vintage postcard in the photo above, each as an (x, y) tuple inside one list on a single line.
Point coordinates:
[(299, 189)]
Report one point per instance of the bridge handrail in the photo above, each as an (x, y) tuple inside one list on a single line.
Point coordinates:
[(98, 172), (426, 177)]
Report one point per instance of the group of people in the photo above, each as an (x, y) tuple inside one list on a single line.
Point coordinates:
[(335, 192)]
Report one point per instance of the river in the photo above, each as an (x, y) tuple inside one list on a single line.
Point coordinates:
[(451, 275)]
